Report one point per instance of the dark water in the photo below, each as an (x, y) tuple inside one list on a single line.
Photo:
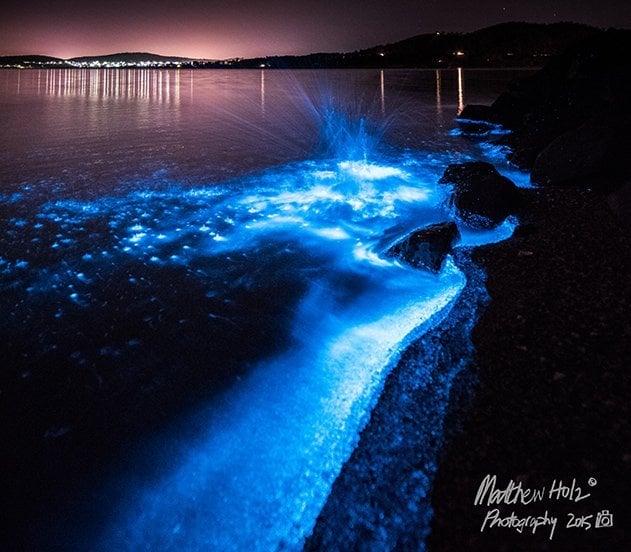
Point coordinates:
[(193, 262)]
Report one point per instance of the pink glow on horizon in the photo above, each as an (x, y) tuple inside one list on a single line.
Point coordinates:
[(164, 40), (221, 29), (190, 28)]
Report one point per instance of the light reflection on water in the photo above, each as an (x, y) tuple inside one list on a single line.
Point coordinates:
[(97, 127), (159, 85), (460, 90)]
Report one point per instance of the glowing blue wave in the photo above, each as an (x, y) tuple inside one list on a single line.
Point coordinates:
[(259, 473)]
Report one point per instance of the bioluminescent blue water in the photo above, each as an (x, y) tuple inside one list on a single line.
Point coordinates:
[(268, 290), (275, 442)]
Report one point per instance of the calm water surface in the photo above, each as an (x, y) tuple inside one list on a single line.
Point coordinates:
[(196, 307), (94, 129)]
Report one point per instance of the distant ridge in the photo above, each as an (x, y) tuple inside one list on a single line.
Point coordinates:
[(128, 57), (28, 59), (511, 44), (504, 45), (123, 59)]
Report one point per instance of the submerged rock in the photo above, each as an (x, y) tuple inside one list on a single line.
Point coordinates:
[(428, 247), (482, 196), (476, 119), (475, 128)]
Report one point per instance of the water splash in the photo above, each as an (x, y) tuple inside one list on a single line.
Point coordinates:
[(343, 137)]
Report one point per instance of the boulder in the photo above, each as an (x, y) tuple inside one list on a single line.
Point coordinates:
[(482, 197), (428, 247), (476, 112), (525, 231), (507, 110), (589, 154), (549, 110), (510, 108)]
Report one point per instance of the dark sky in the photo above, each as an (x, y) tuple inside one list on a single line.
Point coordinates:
[(229, 28)]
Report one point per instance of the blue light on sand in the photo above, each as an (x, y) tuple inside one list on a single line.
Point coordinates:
[(274, 445), (259, 472)]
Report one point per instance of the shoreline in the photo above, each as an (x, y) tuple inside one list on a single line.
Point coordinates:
[(543, 397), (552, 353), (381, 498)]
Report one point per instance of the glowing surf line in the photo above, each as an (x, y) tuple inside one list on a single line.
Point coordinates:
[(310, 401)]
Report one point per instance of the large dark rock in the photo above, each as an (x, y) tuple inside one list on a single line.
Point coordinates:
[(428, 247), (590, 154), (507, 110), (510, 108), (482, 197), (565, 106), (477, 112)]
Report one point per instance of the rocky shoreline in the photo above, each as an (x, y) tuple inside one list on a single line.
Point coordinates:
[(544, 396), (542, 402), (552, 358)]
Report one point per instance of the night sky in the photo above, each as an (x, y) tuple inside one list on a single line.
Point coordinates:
[(219, 29)]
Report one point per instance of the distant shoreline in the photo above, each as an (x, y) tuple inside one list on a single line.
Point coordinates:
[(507, 45)]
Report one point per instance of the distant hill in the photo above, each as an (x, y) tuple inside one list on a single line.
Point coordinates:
[(125, 58), (503, 45), (506, 44), (29, 61), (129, 57)]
